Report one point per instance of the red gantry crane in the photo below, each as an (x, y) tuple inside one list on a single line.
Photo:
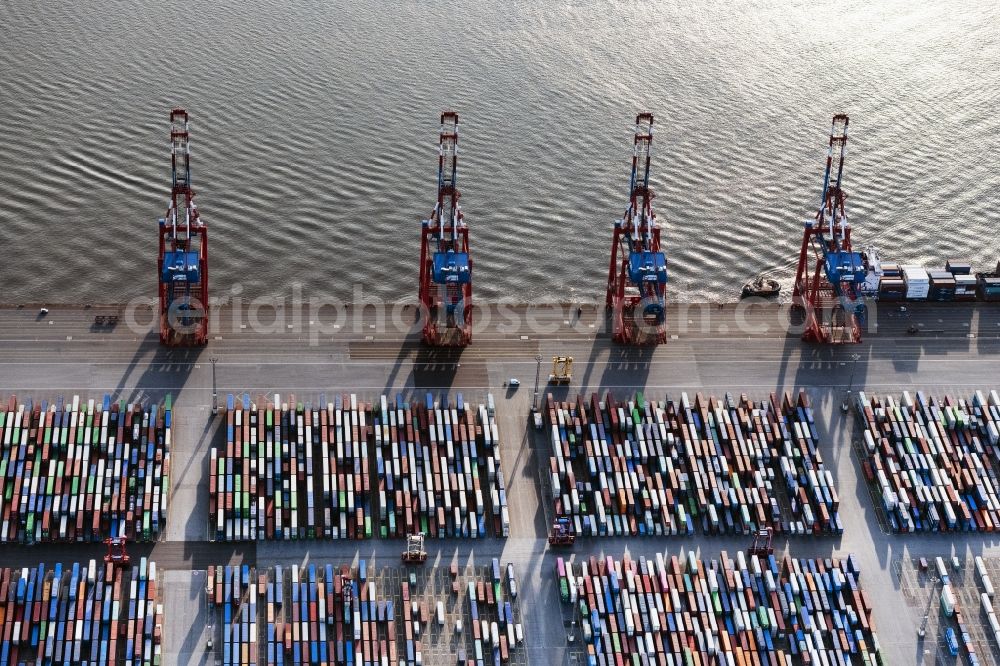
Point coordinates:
[(761, 544), (561, 533), (830, 274), (414, 553), (445, 263), (637, 276), (183, 255)]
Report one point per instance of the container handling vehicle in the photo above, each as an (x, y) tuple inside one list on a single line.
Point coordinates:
[(761, 544), (830, 274), (562, 370), (414, 553), (183, 252), (445, 288), (637, 275), (116, 555), (562, 533)]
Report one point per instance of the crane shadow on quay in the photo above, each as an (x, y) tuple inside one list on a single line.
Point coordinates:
[(164, 370), (623, 366), (429, 367)]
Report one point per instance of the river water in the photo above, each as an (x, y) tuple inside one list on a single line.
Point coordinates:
[(314, 133)]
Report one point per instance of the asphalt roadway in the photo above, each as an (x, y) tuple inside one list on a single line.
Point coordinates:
[(712, 349)]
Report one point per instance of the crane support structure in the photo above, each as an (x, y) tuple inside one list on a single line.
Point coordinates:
[(830, 275), (445, 289), (637, 275), (183, 253)]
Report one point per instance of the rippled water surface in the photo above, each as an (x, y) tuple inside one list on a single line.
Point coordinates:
[(314, 128)]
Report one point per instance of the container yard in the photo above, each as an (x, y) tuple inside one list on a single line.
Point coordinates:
[(359, 615), (81, 470), (688, 365), (292, 471), (931, 463), (748, 610), (952, 601), (82, 613), (708, 465), (438, 469)]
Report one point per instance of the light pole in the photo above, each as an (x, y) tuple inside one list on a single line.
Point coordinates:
[(538, 372), (850, 384), (856, 357), (922, 631), (215, 393)]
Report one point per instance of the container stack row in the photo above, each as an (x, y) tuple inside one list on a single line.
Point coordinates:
[(933, 462), (495, 631), (721, 466), (986, 598), (988, 285), (292, 471), (83, 471), (301, 615), (962, 641), (415, 617), (468, 616), (323, 614), (751, 610), (954, 282), (93, 615), (438, 468)]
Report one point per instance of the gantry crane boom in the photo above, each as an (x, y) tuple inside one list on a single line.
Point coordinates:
[(637, 275), (830, 275), (183, 250), (445, 289)]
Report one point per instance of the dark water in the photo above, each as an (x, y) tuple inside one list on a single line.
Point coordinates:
[(315, 125)]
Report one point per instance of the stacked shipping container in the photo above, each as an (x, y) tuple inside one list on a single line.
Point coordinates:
[(437, 465), (438, 468), (83, 471), (78, 614), (749, 611), (724, 466), (328, 615), (891, 287), (988, 285), (952, 612), (292, 472), (300, 615), (934, 461), (495, 631), (955, 282)]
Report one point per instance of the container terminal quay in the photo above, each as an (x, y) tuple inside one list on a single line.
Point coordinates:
[(188, 480), (65, 354)]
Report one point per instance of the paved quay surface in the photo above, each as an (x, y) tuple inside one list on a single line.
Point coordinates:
[(711, 349)]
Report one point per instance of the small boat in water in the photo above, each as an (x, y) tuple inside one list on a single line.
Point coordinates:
[(762, 286)]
